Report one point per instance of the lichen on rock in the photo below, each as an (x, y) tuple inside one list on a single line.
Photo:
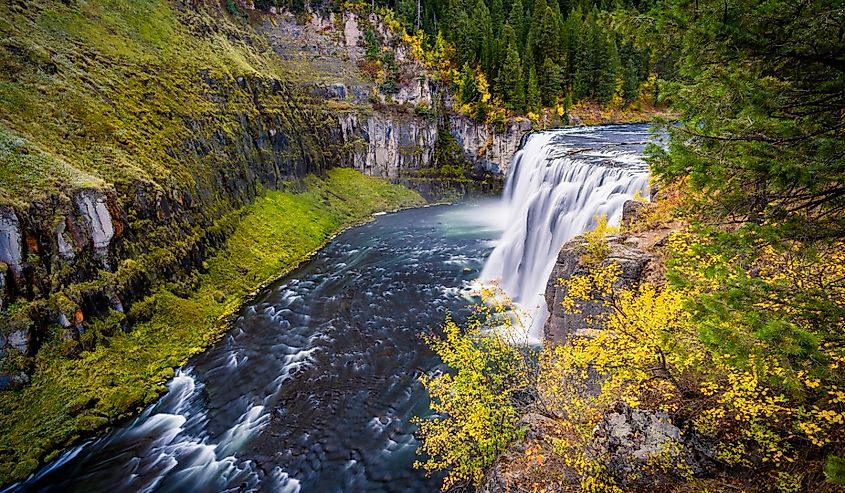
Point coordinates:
[(639, 445)]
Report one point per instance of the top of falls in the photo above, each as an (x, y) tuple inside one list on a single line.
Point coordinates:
[(559, 183)]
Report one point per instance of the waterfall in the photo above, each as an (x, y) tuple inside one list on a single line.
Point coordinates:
[(558, 184)]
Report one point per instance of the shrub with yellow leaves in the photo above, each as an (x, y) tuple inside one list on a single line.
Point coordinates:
[(743, 346), (475, 402)]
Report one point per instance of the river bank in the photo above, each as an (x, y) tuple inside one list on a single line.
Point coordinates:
[(72, 398)]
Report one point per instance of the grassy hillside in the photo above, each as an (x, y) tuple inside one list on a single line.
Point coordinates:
[(111, 88)]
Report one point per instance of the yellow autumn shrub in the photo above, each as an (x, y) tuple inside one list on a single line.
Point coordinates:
[(474, 403)]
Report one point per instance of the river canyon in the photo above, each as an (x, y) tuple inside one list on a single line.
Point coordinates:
[(314, 387)]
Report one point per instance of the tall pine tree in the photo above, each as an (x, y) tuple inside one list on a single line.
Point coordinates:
[(550, 82), (532, 92), (517, 22), (510, 81), (482, 37)]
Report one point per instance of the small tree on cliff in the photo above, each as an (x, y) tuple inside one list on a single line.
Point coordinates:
[(476, 402)]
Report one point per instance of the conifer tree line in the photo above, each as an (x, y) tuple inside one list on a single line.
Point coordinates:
[(536, 53), (532, 53)]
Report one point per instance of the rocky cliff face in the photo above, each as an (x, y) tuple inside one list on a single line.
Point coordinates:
[(635, 255), (393, 145), (492, 149), (72, 256), (622, 251), (388, 144), (392, 138)]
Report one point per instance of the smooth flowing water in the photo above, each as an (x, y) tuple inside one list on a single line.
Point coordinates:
[(558, 185), (314, 388)]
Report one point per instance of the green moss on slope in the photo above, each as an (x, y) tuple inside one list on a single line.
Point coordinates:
[(71, 397), (114, 89)]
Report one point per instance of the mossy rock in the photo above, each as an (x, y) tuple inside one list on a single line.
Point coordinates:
[(123, 400), (81, 403), (89, 423), (167, 373), (24, 468)]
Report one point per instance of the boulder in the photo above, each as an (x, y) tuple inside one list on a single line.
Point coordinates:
[(14, 380), (338, 91), (632, 211), (19, 340), (634, 443), (514, 470)]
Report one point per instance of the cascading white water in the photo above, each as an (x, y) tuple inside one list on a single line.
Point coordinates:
[(558, 184)]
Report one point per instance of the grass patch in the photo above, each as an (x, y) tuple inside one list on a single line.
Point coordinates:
[(69, 398)]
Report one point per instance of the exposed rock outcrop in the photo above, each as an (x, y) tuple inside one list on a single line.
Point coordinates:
[(637, 445), (391, 144), (392, 139), (482, 144), (4, 272), (11, 252), (570, 262), (632, 211), (388, 145), (92, 207)]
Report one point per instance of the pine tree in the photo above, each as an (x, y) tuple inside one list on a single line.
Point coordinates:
[(406, 10), (583, 78), (550, 82), (607, 68), (630, 80), (460, 33), (497, 15), (536, 30), (468, 89), (510, 81), (546, 41), (482, 37), (372, 48), (570, 37), (533, 91), (517, 22)]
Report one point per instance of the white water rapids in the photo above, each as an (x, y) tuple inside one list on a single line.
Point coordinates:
[(558, 185)]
